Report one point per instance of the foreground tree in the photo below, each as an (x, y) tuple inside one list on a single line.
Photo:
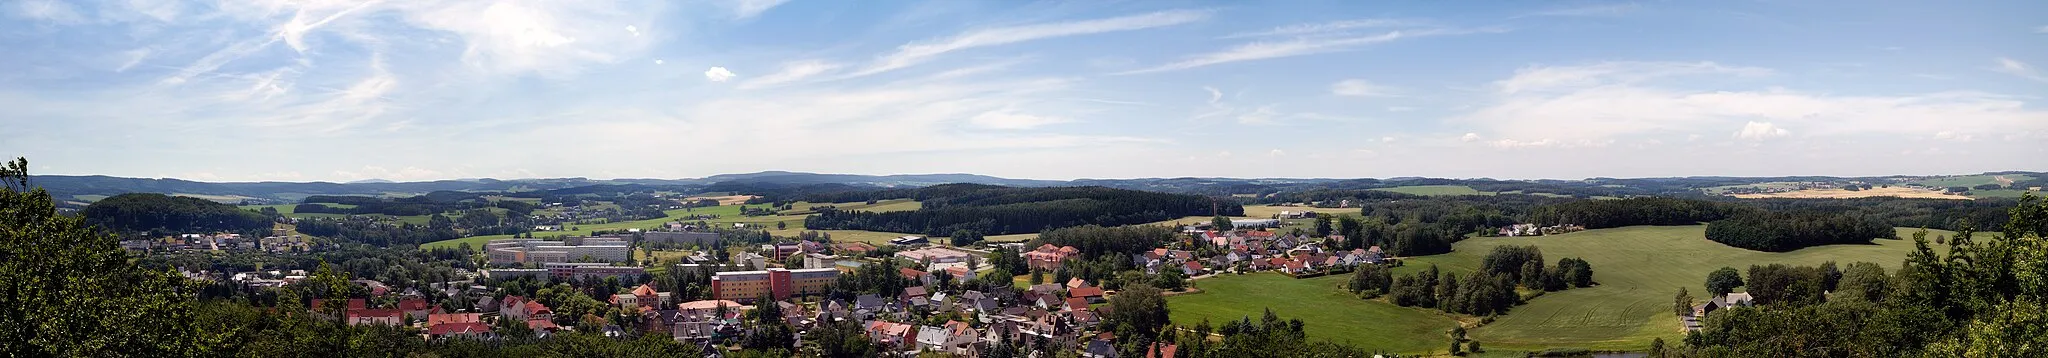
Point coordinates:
[(67, 290)]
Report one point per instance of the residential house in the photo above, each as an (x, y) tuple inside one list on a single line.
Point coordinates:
[(415, 308), (1090, 294), (953, 337), (1161, 350), (1048, 257), (470, 330), (379, 316), (1192, 268), (892, 334)]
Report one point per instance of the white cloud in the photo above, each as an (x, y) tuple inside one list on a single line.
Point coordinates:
[(718, 74), (1400, 109), (1264, 115), (1276, 153), (1006, 119), (1604, 102), (380, 172), (1360, 88), (1388, 139), (2017, 68), (2041, 30), (1548, 143), (1951, 135), (1470, 137), (792, 72), (135, 57), (1538, 78), (1595, 10), (1757, 131), (744, 9), (635, 30), (1290, 48), (916, 53), (1326, 27), (659, 61), (46, 10)]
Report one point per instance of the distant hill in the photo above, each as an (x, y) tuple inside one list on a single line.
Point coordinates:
[(76, 190)]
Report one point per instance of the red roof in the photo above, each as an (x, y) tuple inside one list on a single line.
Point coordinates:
[(645, 290), (458, 328), (381, 312), (911, 273), (1085, 292), (1196, 265), (412, 304), (1077, 303), (445, 318), (1161, 350), (533, 308), (540, 324)]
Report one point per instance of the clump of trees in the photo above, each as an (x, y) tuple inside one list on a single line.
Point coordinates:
[(1781, 231), (1491, 290), (150, 214)]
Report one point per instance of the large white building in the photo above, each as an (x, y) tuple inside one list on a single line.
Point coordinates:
[(522, 251)]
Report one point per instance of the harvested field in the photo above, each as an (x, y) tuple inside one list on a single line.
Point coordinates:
[(1902, 192)]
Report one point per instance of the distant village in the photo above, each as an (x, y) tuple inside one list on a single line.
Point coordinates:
[(797, 276)]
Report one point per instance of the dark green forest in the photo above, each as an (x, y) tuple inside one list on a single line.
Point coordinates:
[(155, 215), (996, 210)]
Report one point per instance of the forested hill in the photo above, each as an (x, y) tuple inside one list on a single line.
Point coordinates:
[(1000, 210), (143, 214)]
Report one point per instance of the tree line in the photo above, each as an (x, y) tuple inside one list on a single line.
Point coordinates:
[(1489, 291), (1783, 231), (995, 210)]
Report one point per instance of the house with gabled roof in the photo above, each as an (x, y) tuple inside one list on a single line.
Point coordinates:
[(1091, 294)]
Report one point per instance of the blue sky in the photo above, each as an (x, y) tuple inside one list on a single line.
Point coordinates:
[(329, 90)]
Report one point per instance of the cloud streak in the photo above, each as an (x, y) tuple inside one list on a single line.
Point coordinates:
[(920, 52), (1263, 50)]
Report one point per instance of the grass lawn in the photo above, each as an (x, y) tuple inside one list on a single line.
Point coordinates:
[(1327, 310), (1436, 190), (1639, 269)]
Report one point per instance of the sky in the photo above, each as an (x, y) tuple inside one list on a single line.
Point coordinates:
[(331, 90)]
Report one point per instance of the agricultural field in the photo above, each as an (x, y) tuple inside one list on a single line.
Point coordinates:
[(1973, 180), (806, 208), (1434, 190), (224, 199), (1895, 191), (723, 200), (1268, 211), (1328, 311), (1638, 269)]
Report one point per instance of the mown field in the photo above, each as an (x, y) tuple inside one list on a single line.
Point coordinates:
[(1639, 269), (1436, 190), (1327, 310)]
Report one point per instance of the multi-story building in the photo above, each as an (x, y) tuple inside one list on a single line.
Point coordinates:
[(522, 251), (778, 284)]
